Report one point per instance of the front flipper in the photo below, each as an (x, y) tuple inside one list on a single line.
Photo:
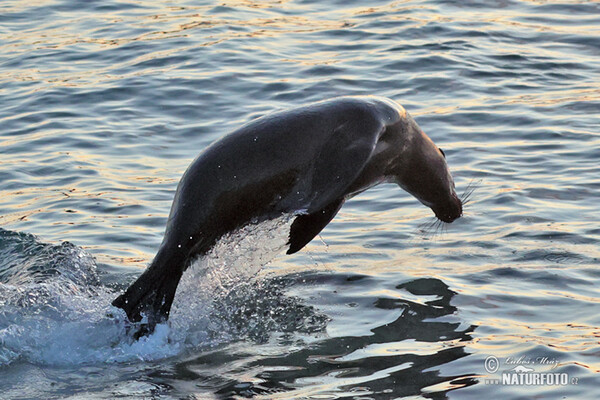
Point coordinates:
[(341, 160), (306, 227)]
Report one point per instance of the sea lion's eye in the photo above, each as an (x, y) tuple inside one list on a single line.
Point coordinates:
[(442, 151)]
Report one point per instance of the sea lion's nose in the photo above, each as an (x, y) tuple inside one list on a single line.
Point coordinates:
[(451, 211)]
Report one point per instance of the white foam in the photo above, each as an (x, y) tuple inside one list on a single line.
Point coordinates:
[(68, 319), (233, 261)]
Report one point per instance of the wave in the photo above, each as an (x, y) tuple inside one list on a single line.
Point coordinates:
[(55, 311)]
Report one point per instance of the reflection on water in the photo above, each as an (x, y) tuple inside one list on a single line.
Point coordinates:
[(399, 358), (104, 104)]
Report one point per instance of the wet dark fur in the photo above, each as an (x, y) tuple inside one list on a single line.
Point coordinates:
[(305, 161)]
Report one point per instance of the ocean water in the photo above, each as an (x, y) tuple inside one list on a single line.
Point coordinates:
[(103, 104)]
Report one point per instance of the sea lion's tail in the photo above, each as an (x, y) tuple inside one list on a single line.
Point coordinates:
[(152, 294)]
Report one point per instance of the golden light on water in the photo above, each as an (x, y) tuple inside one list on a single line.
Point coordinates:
[(106, 105)]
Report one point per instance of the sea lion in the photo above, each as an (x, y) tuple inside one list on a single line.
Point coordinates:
[(306, 162)]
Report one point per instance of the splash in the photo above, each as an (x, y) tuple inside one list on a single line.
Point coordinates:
[(54, 311), (230, 266)]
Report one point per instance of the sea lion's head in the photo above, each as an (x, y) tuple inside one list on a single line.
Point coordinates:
[(420, 168)]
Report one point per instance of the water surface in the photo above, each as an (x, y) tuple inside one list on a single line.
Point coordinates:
[(105, 103)]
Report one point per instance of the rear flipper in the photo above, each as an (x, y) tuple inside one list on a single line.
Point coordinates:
[(151, 295)]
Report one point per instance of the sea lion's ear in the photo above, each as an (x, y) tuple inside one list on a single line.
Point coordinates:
[(306, 227)]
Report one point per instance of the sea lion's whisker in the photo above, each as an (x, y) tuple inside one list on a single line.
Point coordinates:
[(426, 227), (432, 229), (440, 228), (469, 190)]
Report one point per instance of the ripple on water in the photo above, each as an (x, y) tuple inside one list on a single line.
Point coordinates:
[(104, 104), (54, 310)]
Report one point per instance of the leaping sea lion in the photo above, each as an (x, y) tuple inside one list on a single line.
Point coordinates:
[(305, 162)]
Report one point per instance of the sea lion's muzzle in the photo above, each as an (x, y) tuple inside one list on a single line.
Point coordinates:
[(450, 211)]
